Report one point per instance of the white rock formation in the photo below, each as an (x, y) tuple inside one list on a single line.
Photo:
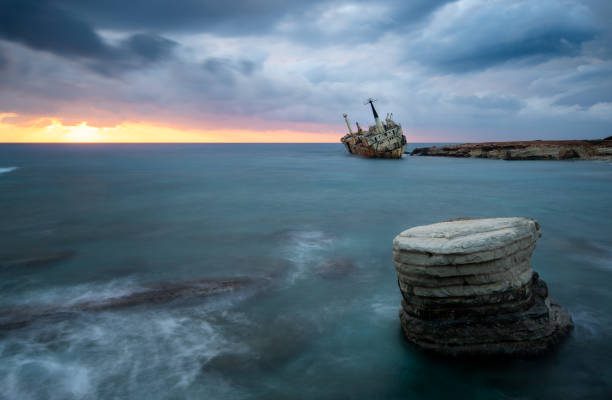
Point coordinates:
[(469, 288)]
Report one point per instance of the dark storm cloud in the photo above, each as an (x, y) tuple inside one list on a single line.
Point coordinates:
[(408, 11), (149, 47), (355, 22), (136, 51), (43, 26), (240, 17), (3, 60), (489, 34), (539, 46), (235, 17), (69, 27)]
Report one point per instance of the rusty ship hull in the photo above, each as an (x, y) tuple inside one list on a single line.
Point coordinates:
[(382, 140), (368, 151)]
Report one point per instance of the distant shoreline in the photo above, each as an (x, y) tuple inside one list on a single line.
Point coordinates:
[(598, 149)]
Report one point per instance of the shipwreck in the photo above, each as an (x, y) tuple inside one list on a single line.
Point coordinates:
[(379, 141)]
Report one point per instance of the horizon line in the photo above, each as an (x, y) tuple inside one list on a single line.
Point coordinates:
[(191, 142)]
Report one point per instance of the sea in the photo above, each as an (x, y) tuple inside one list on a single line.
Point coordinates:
[(82, 225)]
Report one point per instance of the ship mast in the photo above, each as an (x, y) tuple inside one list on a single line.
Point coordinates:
[(348, 124), (379, 124)]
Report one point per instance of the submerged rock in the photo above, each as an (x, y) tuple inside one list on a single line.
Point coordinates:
[(270, 345), (335, 268), (36, 260), (17, 317), (469, 289), (169, 291)]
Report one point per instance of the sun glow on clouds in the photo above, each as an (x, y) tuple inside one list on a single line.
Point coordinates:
[(53, 130)]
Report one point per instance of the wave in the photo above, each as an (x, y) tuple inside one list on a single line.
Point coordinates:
[(4, 170), (587, 323), (304, 250), (79, 358), (97, 299), (593, 252), (82, 293), (386, 307)]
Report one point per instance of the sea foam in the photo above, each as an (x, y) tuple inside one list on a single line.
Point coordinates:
[(77, 294), (124, 348), (4, 170), (306, 248)]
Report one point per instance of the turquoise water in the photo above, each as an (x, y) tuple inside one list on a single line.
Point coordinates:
[(317, 224)]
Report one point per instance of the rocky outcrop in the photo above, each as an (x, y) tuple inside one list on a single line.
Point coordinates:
[(468, 289), (530, 150), (17, 317), (335, 268)]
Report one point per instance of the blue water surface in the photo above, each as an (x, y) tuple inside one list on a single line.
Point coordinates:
[(317, 225)]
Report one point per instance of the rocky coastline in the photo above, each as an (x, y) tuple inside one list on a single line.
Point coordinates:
[(525, 150)]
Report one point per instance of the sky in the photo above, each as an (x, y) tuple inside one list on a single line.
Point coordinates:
[(286, 71)]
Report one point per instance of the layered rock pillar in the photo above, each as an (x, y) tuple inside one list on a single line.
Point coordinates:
[(468, 288)]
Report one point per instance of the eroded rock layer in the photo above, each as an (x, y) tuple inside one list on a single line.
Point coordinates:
[(469, 288), (525, 150)]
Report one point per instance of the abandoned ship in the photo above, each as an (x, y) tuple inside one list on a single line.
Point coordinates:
[(380, 140)]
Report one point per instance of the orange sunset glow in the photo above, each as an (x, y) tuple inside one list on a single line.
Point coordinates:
[(53, 130)]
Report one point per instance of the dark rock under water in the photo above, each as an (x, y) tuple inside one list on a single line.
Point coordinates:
[(336, 268), (17, 317), (36, 260)]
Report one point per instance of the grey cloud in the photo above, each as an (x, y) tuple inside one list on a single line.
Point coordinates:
[(236, 17), (318, 74), (408, 11), (591, 74), (217, 65), (588, 97), (43, 26), (3, 60), (221, 69), (247, 67), (35, 82), (68, 27), (489, 102), (247, 17), (353, 22), (225, 70), (491, 34), (133, 53), (149, 47), (587, 86)]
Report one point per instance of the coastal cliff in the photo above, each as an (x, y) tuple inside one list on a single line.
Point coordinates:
[(525, 150)]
